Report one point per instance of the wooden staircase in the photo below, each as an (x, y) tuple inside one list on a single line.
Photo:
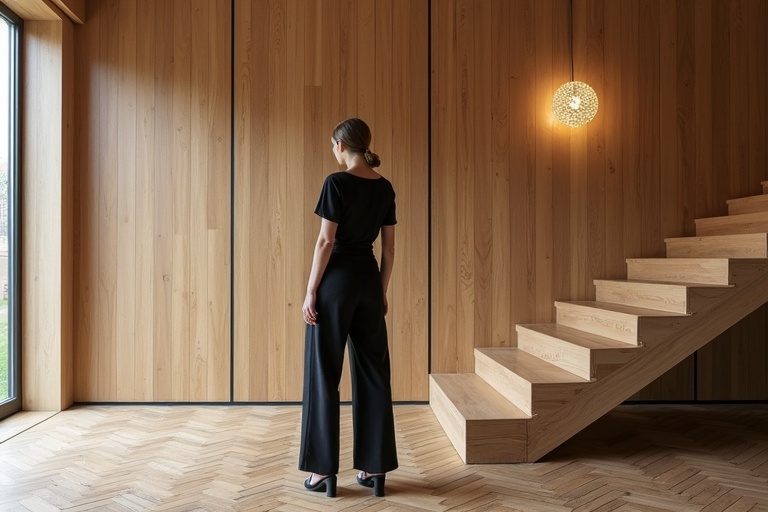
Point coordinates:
[(522, 402)]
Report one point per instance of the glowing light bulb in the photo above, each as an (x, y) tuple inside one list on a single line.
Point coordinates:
[(574, 104)]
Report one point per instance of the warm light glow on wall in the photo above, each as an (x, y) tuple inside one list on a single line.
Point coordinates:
[(574, 104)]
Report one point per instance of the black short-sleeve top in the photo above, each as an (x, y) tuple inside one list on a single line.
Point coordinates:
[(360, 207)]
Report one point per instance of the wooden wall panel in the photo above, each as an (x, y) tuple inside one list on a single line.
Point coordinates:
[(523, 211), (152, 245), (733, 365), (46, 210), (544, 209), (301, 66), (67, 213)]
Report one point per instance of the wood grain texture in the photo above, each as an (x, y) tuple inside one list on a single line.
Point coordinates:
[(660, 457), (663, 340), (679, 131), (152, 249), (46, 207), (524, 212), (75, 9), (33, 10), (300, 68), (67, 392)]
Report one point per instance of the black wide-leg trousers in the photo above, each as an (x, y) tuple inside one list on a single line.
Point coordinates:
[(350, 310)]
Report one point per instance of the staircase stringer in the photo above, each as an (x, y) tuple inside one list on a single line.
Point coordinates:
[(552, 427)]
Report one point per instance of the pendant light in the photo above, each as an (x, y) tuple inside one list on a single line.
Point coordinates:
[(574, 103)]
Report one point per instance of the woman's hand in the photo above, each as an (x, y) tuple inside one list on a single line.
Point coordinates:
[(309, 309)]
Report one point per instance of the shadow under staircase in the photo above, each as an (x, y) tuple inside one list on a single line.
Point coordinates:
[(522, 402)]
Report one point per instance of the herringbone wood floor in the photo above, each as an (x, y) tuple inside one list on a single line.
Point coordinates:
[(681, 458)]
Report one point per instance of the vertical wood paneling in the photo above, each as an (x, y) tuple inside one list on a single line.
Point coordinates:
[(676, 135), (66, 394), (466, 311), (144, 275), (695, 149), (45, 207), (550, 165), (596, 165), (198, 173), (739, 98), (676, 121), (296, 206), (578, 179), (500, 288), (301, 66), (612, 110), (524, 211), (733, 366), (127, 96), (152, 245), (443, 265), (481, 144), (163, 202), (86, 217), (757, 56), (649, 144), (106, 267)]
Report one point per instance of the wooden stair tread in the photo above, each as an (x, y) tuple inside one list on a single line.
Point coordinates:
[(742, 217), (760, 198), (665, 284), (620, 308), (475, 399), (576, 336), (735, 237), (529, 367), (683, 261)]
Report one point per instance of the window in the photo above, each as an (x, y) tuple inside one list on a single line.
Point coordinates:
[(10, 382)]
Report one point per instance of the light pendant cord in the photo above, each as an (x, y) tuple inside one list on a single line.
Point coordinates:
[(570, 16)]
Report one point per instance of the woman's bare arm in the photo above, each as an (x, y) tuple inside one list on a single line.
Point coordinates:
[(387, 259), (322, 254)]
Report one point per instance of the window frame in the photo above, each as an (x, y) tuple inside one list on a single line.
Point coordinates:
[(14, 402)]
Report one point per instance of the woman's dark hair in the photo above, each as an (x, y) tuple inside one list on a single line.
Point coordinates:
[(356, 136)]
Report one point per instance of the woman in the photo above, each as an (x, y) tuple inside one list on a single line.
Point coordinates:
[(347, 299)]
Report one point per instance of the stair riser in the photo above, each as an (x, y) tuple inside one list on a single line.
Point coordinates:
[(479, 441), (663, 298), (753, 245), (608, 361), (694, 271), (511, 386), (496, 441), (560, 353), (676, 299), (612, 325), (756, 204), (548, 397), (748, 223)]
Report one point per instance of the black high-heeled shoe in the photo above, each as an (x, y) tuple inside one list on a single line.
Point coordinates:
[(327, 484), (375, 481)]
